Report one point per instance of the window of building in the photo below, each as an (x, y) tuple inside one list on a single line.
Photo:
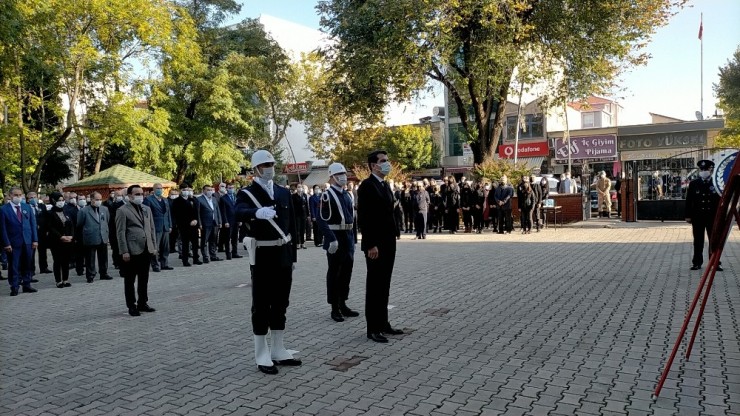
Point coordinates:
[(533, 127), (588, 120), (457, 139)]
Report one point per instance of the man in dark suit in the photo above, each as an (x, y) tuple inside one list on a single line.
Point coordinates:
[(209, 221), (77, 260), (92, 221), (113, 203), (162, 226), (502, 196), (19, 239), (268, 210), (136, 241), (40, 210), (227, 204), (185, 210), (702, 202), (300, 206), (379, 234), (537, 191)]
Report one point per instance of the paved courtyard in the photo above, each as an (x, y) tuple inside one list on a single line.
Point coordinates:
[(572, 321)]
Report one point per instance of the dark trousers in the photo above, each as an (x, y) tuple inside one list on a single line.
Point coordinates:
[(309, 228), (339, 273), (318, 238), (536, 213), (420, 222), (101, 252), (189, 237), (698, 228), (504, 220), (493, 217), (378, 285), (136, 267), (115, 255), (527, 219), (300, 225), (467, 218), (20, 266), (208, 241), (408, 220), (477, 215), (60, 254), (452, 219), (231, 235), (270, 295), (78, 258), (174, 236), (161, 261), (43, 258)]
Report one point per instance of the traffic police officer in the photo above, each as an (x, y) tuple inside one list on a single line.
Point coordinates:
[(702, 201), (335, 221), (268, 211)]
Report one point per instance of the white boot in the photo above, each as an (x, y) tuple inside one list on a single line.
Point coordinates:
[(262, 351), (279, 353)]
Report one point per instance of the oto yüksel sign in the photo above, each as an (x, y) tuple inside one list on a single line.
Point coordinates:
[(663, 140), (506, 151), (296, 168), (589, 147)]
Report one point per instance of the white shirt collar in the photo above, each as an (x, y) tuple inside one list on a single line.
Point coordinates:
[(266, 185)]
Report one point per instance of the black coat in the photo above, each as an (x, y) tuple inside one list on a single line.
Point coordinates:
[(184, 211), (56, 228), (375, 214), (228, 210), (702, 200)]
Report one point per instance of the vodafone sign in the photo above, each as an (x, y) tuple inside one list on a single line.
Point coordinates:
[(506, 151)]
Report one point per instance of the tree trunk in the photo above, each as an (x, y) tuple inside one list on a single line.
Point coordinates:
[(99, 157), (22, 140)]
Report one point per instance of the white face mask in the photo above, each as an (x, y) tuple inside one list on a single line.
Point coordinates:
[(385, 167), (174, 196), (704, 174), (341, 179), (82, 202), (17, 200), (209, 194), (119, 198), (187, 194), (60, 204), (267, 173), (97, 203), (73, 201), (137, 199)]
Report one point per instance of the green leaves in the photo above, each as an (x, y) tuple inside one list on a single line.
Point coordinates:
[(728, 92)]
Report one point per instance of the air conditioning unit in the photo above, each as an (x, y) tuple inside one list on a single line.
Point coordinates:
[(457, 161), (438, 111)]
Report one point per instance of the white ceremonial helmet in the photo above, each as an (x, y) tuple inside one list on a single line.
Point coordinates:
[(262, 156), (336, 168)]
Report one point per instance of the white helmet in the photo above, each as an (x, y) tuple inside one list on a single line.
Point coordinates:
[(261, 156), (336, 168)]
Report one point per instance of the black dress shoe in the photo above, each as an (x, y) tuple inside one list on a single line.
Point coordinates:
[(60, 285), (168, 268), (198, 262), (157, 270), (186, 264), (46, 271), (206, 261), (216, 259), (695, 267), (391, 331), (133, 312), (228, 256), (29, 289), (346, 311), (106, 277), (13, 292), (67, 284), (145, 308), (34, 280), (236, 256), (89, 280), (290, 362), (337, 316), (377, 337), (268, 370), (719, 269)]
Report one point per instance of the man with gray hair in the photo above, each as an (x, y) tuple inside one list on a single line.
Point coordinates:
[(93, 223)]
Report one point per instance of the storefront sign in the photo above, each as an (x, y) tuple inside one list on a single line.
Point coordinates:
[(650, 154), (506, 151), (426, 173), (296, 168), (663, 140), (589, 147)]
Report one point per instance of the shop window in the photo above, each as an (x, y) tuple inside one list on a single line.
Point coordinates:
[(588, 120), (533, 127)]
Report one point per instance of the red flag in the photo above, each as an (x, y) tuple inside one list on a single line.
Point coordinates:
[(701, 28)]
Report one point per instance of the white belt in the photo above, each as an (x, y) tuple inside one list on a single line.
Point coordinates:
[(342, 227), (274, 243)]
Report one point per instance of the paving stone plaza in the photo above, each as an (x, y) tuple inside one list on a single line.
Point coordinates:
[(577, 320)]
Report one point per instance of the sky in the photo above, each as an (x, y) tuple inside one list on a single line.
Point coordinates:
[(669, 84)]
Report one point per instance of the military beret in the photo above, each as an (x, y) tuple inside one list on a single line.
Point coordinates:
[(705, 164)]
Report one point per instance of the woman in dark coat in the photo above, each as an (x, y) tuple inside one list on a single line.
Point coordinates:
[(452, 206), (436, 209), (527, 205), (60, 240)]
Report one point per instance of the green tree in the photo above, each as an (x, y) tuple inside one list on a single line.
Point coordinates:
[(389, 50), (410, 146), (728, 92)]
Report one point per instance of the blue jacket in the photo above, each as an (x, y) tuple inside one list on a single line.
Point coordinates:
[(227, 205), (160, 214), (313, 206), (17, 233)]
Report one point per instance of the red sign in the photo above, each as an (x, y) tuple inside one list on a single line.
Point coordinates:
[(506, 151), (296, 168)]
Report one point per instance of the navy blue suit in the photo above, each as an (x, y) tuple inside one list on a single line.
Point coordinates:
[(20, 236), (228, 236), (162, 225)]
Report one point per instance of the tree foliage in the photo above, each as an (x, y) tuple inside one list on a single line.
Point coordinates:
[(410, 147), (493, 170), (387, 51), (728, 92)]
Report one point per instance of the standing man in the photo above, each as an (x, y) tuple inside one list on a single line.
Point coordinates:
[(209, 221), (269, 211), (185, 210), (313, 204), (39, 208), (162, 227), (537, 191), (379, 234), (92, 222), (113, 206), (300, 206), (702, 201), (136, 241), (502, 196), (230, 230), (420, 207), (77, 260), (19, 239), (175, 244), (336, 219)]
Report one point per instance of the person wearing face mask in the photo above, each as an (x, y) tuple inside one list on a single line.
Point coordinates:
[(60, 239), (40, 209), (379, 234), (336, 219), (603, 186), (702, 201), (162, 226), (300, 206), (420, 207), (502, 197), (175, 243), (185, 211), (113, 206), (313, 206), (92, 223), (568, 185), (268, 210), (537, 192), (137, 243), (230, 231), (209, 221), (19, 240)]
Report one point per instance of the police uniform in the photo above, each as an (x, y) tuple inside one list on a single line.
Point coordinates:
[(702, 201), (336, 219)]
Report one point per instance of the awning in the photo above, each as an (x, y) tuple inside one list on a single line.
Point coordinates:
[(532, 162), (462, 169), (316, 177)]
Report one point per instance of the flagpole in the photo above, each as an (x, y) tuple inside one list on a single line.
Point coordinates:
[(701, 41)]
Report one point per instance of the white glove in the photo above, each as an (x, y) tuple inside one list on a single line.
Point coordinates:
[(333, 247), (266, 213)]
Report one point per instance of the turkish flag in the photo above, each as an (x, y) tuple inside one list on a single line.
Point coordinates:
[(701, 29)]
